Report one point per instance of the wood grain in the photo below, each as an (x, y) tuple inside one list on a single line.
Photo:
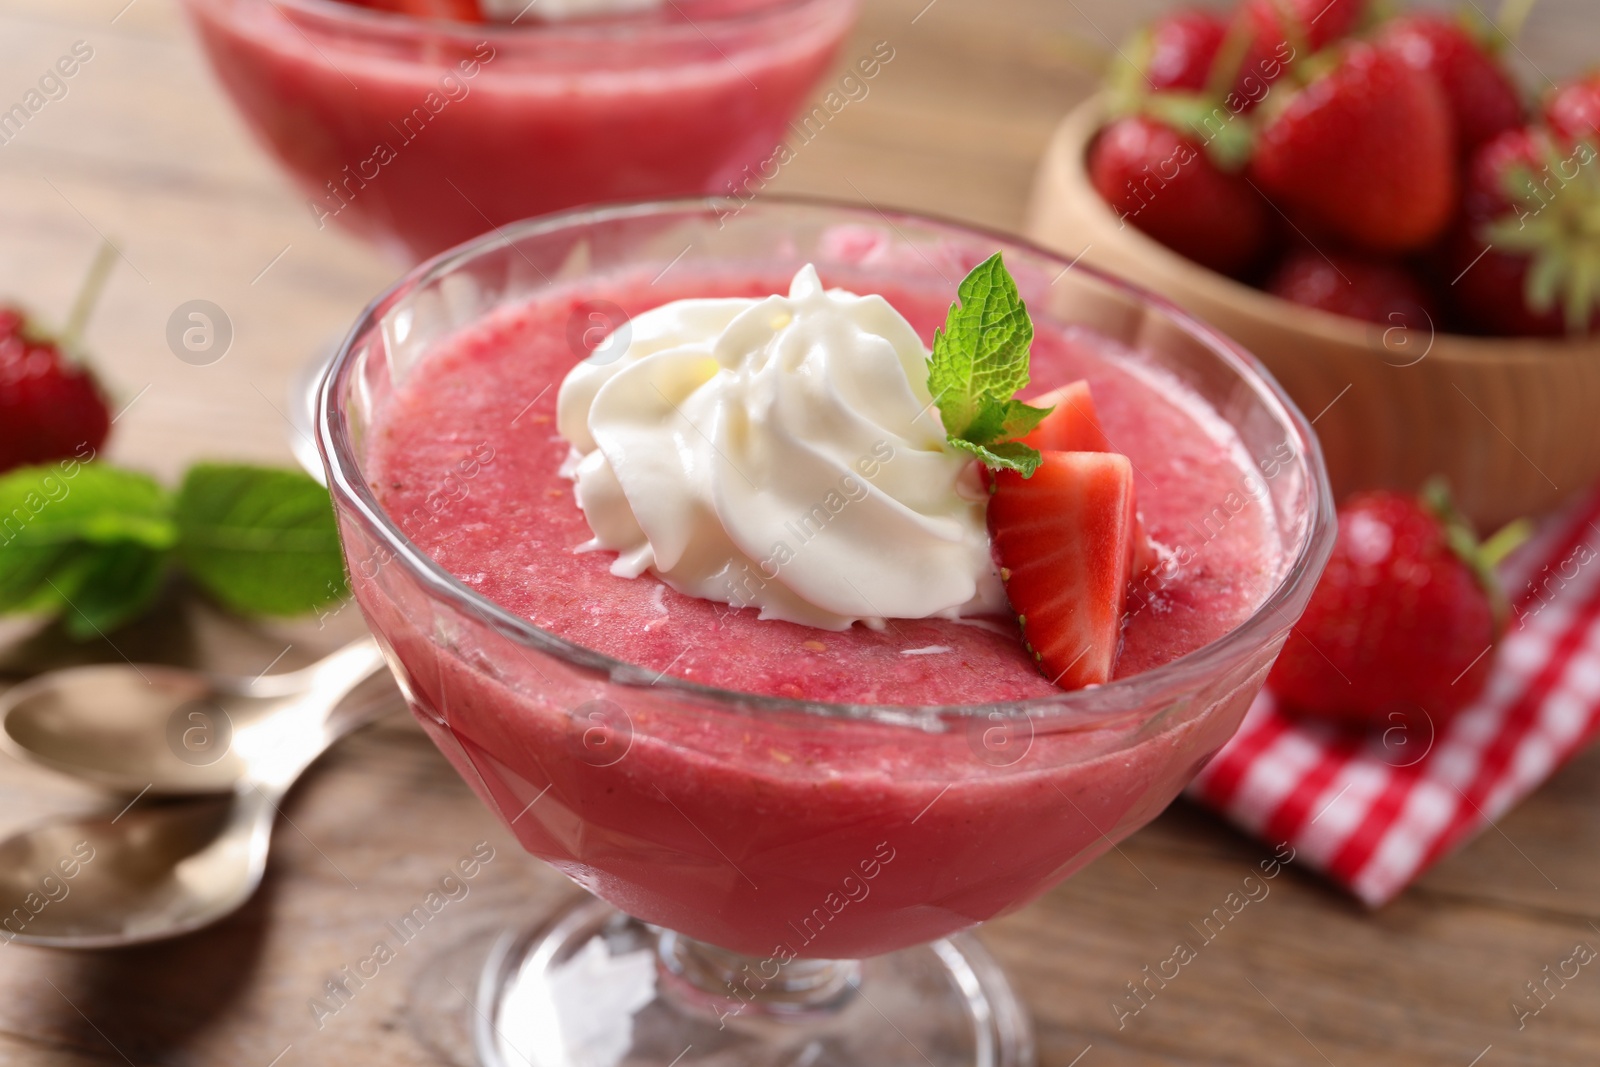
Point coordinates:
[(143, 148)]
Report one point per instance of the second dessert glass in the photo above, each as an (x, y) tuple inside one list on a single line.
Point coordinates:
[(420, 133), (755, 909)]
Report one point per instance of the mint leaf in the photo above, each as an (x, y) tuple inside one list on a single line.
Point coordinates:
[(1021, 419), (260, 540), (62, 524), (981, 352), (91, 543), (107, 586), (1010, 455), (979, 362), (1007, 420)]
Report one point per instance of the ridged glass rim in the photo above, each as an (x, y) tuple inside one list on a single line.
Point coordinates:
[(1144, 690)]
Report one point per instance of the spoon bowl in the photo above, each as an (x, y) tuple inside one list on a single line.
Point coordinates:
[(153, 871), (167, 861), (163, 730), (169, 731)]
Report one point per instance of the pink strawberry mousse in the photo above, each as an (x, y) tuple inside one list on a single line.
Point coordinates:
[(798, 835)]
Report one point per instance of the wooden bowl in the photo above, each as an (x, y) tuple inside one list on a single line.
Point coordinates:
[(1513, 423)]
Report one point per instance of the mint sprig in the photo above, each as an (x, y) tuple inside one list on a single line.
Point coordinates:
[(979, 362), (261, 541), (91, 543), (81, 541)]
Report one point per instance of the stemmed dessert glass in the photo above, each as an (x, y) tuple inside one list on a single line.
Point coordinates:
[(778, 881), (419, 133)]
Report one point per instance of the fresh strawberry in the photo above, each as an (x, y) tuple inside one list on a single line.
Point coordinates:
[(1364, 153), (1405, 615), (1062, 541), (1573, 110), (1167, 186), (1074, 426), (1356, 287), (1172, 54), (1487, 296), (1178, 49), (1283, 33), (449, 10), (1531, 199), (1316, 23), (50, 406), (1483, 100), (1486, 192)]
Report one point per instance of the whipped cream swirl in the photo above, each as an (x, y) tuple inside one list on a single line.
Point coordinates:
[(780, 453)]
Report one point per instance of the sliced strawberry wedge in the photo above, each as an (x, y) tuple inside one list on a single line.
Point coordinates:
[(1074, 426), (1063, 539)]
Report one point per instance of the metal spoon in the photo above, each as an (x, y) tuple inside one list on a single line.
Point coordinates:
[(163, 867)]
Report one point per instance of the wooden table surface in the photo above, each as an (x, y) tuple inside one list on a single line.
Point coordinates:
[(144, 148)]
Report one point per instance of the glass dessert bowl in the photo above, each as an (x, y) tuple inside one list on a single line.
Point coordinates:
[(786, 869), (419, 133)]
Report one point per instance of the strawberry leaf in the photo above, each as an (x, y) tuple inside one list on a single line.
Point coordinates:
[(1128, 84), (1224, 136)]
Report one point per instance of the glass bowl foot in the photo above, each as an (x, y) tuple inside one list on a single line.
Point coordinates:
[(592, 987)]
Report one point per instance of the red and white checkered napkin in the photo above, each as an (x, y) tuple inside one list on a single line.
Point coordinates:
[(1373, 812)]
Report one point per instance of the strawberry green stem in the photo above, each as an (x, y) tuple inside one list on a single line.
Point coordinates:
[(1507, 540), (1297, 34), (94, 284), (1230, 57), (1513, 16), (1377, 13), (1480, 557)]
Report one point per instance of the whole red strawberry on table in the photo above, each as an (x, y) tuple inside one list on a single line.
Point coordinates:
[(1372, 163), (1405, 618), (51, 404)]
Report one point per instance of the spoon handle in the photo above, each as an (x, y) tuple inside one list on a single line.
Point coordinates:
[(346, 668), (338, 674), (315, 719)]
